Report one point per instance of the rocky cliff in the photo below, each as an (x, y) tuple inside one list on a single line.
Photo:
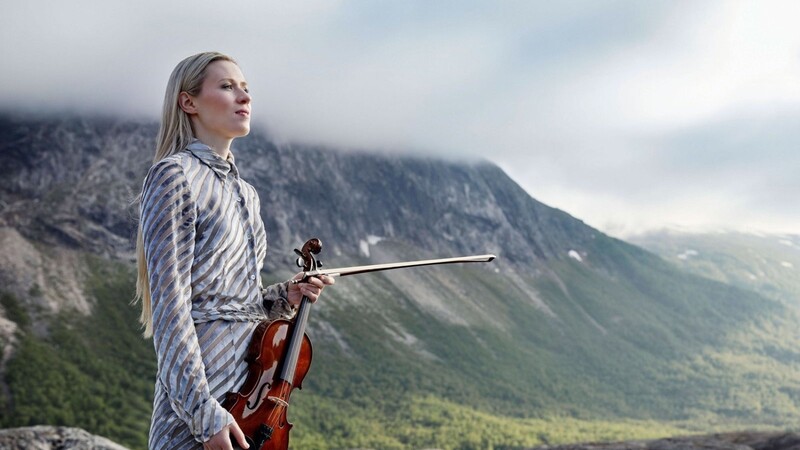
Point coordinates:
[(72, 181)]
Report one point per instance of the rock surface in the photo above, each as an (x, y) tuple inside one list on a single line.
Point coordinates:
[(46, 438), (724, 441), (65, 438)]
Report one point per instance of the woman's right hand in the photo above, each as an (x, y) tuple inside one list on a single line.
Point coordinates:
[(222, 440), (311, 288)]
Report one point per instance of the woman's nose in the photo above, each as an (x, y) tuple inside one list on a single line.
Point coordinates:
[(244, 97)]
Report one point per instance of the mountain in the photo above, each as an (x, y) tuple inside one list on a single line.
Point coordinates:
[(765, 263), (569, 335)]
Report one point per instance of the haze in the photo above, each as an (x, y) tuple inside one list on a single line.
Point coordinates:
[(629, 115)]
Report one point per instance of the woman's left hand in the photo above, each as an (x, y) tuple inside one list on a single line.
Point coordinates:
[(311, 288)]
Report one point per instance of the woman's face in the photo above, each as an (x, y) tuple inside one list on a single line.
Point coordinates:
[(221, 111)]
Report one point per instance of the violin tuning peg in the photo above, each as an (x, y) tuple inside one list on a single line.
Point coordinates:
[(299, 262), (319, 263)]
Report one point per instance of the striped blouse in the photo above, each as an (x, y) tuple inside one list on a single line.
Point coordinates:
[(204, 245)]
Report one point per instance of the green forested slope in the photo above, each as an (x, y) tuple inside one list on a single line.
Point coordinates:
[(92, 372), (766, 263), (644, 351)]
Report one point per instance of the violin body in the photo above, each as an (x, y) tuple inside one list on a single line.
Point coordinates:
[(261, 405)]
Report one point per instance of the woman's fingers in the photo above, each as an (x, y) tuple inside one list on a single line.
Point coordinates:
[(321, 281), (222, 440), (312, 287), (311, 291), (238, 435)]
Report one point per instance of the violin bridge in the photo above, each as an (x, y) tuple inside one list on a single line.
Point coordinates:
[(279, 401)]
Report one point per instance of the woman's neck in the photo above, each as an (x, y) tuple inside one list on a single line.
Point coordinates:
[(221, 146)]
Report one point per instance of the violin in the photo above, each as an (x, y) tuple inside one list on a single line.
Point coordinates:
[(281, 348), (279, 356)]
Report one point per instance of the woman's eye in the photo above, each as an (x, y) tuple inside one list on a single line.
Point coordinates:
[(226, 86)]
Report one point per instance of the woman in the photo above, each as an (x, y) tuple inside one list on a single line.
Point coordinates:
[(201, 247)]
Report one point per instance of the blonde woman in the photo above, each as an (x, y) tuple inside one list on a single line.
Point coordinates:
[(201, 248)]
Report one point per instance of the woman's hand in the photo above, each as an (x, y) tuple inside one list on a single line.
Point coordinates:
[(222, 440), (311, 288)]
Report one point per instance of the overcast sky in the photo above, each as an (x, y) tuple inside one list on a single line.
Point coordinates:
[(626, 114)]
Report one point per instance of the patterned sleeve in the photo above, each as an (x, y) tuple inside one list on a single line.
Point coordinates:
[(168, 227), (274, 298)]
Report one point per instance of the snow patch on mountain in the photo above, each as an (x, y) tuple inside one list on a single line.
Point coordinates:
[(575, 255), (364, 244)]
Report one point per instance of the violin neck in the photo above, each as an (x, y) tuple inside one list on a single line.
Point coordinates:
[(295, 341)]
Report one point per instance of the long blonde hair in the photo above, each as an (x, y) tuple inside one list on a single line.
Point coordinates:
[(174, 135)]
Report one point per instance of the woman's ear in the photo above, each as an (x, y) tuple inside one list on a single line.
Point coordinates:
[(186, 102)]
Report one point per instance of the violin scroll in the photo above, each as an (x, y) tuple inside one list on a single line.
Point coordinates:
[(306, 260)]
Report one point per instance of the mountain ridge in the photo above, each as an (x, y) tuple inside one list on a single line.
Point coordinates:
[(762, 262)]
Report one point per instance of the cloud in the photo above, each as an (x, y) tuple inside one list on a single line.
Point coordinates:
[(623, 113), (691, 124)]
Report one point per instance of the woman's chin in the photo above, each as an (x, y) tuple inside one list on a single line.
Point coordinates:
[(242, 131)]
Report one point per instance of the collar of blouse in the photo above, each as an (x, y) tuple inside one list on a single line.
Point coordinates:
[(222, 167)]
